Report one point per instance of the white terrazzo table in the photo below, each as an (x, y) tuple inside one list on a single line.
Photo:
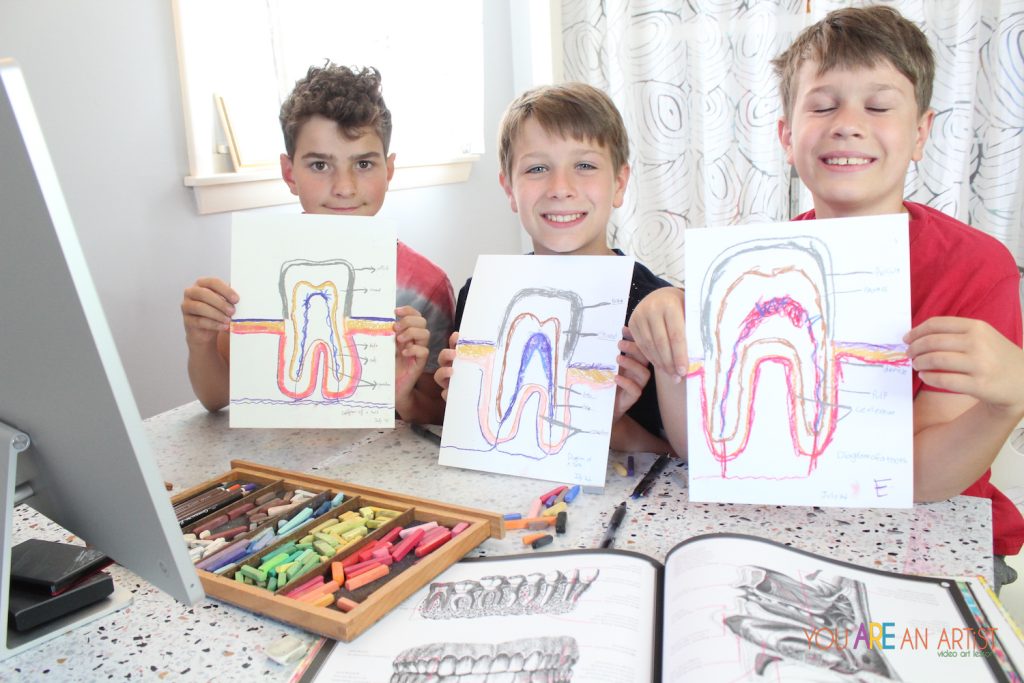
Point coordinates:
[(159, 639)]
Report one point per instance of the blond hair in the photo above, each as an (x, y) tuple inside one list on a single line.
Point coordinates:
[(859, 36), (571, 110)]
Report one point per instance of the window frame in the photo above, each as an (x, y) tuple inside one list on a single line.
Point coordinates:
[(218, 188)]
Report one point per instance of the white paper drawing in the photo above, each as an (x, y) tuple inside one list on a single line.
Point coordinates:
[(312, 338), (533, 623), (533, 386), (754, 611), (799, 390)]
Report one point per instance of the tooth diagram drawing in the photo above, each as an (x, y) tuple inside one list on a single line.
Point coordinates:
[(533, 358), (772, 301), (528, 660), (552, 593), (317, 330), (776, 611)]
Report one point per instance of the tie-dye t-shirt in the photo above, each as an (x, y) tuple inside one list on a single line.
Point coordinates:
[(425, 287)]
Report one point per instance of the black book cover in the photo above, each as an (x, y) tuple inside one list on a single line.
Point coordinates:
[(30, 608), (52, 567)]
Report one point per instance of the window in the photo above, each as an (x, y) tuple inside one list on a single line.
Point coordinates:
[(239, 59)]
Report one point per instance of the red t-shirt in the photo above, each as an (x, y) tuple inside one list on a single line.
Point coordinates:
[(956, 270)]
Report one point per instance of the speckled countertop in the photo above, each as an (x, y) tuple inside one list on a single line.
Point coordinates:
[(157, 638)]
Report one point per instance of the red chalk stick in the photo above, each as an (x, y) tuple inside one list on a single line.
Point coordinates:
[(367, 552), (315, 581), (403, 548), (391, 535), (350, 560), (430, 546), (553, 492), (432, 534)]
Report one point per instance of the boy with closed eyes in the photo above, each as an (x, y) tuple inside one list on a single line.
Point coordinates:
[(856, 89)]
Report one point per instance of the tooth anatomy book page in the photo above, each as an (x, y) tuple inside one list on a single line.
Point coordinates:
[(312, 338), (799, 390), (553, 616), (724, 607), (744, 608), (533, 386)]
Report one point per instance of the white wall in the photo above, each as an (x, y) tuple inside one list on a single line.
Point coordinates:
[(103, 77)]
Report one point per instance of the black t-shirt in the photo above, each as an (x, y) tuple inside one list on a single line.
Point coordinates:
[(645, 410)]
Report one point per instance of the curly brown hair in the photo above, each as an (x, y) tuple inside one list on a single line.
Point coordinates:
[(352, 99), (575, 110), (859, 36)]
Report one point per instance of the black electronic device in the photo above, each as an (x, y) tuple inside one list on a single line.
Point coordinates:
[(52, 567)]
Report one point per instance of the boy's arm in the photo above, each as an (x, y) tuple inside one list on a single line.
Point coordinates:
[(672, 406), (658, 326), (633, 375), (958, 435), (417, 397), (209, 373), (629, 436), (206, 310), (423, 403), (446, 362)]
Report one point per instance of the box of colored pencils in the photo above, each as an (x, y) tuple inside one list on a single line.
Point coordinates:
[(328, 556)]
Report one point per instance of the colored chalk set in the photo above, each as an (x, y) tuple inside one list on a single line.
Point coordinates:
[(547, 510), (321, 554)]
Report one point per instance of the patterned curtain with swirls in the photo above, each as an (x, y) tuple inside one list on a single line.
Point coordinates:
[(694, 83)]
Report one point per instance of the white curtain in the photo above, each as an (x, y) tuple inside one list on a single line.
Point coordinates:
[(694, 84)]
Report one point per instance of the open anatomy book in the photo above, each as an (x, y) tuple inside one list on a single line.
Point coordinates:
[(724, 607)]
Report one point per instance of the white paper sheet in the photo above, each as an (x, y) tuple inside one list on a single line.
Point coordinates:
[(742, 609), (533, 386), (559, 616), (312, 339), (800, 389), (733, 608)]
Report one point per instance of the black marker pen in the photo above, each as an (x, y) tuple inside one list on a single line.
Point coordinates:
[(613, 525)]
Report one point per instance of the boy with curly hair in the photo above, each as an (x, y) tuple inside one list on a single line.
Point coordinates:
[(337, 132)]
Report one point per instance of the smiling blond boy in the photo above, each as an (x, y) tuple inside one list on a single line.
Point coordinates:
[(564, 165)]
